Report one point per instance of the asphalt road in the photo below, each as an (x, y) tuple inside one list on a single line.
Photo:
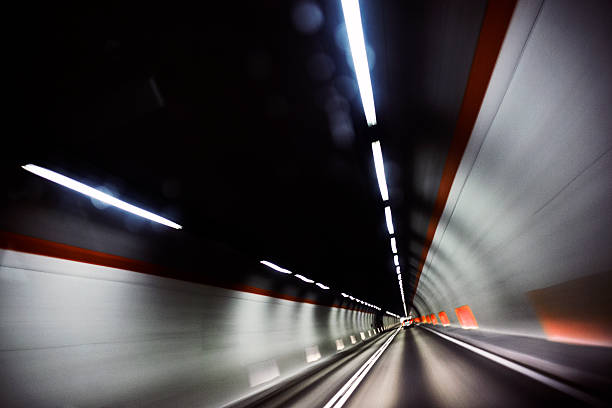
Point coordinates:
[(420, 369)]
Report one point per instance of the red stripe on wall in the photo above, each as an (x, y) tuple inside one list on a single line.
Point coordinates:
[(37, 246), (494, 27)]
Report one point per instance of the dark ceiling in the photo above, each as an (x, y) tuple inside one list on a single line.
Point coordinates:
[(243, 123)]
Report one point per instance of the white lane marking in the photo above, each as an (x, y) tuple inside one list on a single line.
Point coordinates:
[(348, 388), (521, 369)]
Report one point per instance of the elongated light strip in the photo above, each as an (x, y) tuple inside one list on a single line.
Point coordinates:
[(389, 220), (393, 245), (380, 170), (275, 267), (396, 260), (305, 279), (397, 269), (98, 195), (319, 284), (359, 301), (352, 19)]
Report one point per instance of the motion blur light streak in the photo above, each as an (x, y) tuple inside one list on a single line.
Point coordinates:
[(305, 279), (380, 170), (389, 220), (352, 19), (393, 245), (275, 267), (496, 125), (98, 195)]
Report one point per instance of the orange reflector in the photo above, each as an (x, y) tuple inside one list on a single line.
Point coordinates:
[(433, 319), (428, 319), (423, 319), (444, 318), (466, 317), (576, 311)]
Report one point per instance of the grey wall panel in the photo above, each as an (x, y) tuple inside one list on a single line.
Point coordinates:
[(76, 334), (530, 206)]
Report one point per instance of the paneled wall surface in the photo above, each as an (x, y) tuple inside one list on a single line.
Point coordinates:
[(77, 334), (524, 241)]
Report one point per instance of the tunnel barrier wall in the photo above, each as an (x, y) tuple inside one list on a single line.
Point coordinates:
[(525, 236), (77, 334)]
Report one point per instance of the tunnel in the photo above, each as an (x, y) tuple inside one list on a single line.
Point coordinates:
[(309, 203)]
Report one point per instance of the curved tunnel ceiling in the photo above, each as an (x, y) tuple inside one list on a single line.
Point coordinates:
[(244, 124)]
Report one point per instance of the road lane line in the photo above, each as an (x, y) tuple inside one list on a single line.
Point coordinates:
[(348, 388), (558, 385)]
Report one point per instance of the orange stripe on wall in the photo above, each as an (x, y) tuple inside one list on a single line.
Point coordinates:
[(37, 246), (494, 26)]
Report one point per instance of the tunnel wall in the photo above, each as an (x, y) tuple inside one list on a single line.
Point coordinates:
[(524, 240), (78, 334)]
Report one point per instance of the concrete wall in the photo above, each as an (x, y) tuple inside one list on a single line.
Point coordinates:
[(525, 237), (77, 334)]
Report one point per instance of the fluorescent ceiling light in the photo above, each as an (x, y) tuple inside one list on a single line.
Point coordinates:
[(389, 220), (344, 294), (393, 245), (380, 170), (397, 269), (322, 286), (396, 260), (275, 267), (305, 279), (352, 298), (98, 195), (352, 19)]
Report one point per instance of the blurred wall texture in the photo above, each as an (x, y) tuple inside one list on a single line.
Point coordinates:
[(523, 245), (80, 334)]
